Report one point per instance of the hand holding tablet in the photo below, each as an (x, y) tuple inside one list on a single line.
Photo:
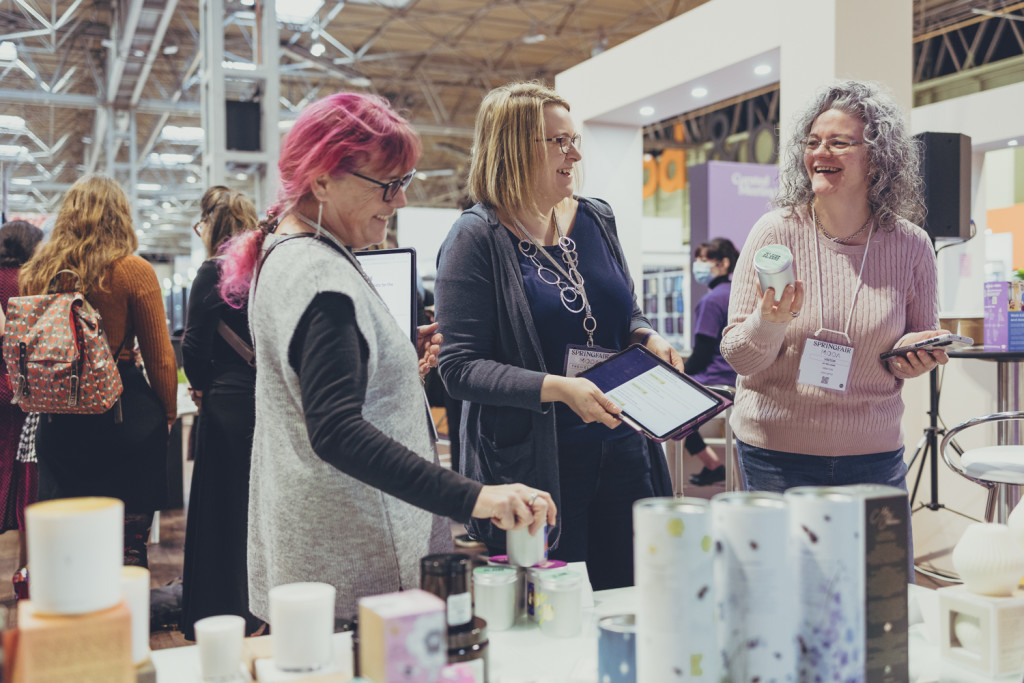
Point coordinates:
[(656, 399)]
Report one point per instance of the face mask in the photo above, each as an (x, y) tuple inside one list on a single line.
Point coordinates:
[(702, 272)]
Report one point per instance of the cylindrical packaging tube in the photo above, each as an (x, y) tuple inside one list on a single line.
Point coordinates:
[(526, 549), (673, 574), (616, 649), (76, 551), (754, 589), (823, 533)]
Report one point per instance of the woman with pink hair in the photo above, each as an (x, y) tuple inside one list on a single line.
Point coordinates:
[(345, 487)]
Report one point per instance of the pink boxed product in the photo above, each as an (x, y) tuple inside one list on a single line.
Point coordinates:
[(1004, 316), (402, 637)]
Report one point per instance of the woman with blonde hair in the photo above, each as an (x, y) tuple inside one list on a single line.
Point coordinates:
[(531, 285), (217, 354), (122, 452)]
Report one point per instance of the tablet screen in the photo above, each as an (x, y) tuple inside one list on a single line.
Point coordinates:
[(393, 274), (652, 393)]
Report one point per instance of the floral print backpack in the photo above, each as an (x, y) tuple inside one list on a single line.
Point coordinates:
[(58, 359)]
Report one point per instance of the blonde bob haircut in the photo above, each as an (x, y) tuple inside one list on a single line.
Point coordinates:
[(505, 166), (93, 229)]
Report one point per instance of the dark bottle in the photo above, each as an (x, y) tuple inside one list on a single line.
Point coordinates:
[(447, 576)]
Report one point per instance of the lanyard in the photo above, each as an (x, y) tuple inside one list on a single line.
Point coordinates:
[(821, 297)]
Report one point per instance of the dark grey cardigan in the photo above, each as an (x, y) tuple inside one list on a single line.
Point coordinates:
[(491, 359)]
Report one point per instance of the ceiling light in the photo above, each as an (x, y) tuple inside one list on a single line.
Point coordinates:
[(238, 66), (166, 205), (170, 159), (534, 37), (12, 124), (646, 110), (8, 51), (241, 176), (317, 49), (762, 69), (149, 187), (191, 180), (1011, 143), (699, 92), (12, 151), (297, 11), (147, 225), (20, 181), (139, 233), (154, 216), (248, 3), (183, 133), (171, 50)]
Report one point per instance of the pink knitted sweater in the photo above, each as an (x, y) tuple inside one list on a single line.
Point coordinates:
[(898, 297)]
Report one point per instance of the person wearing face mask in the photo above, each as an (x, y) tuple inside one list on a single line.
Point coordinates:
[(713, 263), (532, 287)]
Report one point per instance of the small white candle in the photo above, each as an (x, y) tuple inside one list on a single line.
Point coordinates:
[(75, 554), (135, 585), (220, 646), (526, 549), (301, 625)]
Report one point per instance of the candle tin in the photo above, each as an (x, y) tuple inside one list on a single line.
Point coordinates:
[(494, 596), (557, 602), (673, 562), (526, 549), (753, 584), (470, 647), (532, 575), (774, 266), (616, 649)]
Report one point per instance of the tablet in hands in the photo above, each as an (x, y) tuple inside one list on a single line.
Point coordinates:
[(943, 342)]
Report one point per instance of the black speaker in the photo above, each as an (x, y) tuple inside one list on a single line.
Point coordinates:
[(243, 119), (946, 168)]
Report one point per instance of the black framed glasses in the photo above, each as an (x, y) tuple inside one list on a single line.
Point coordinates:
[(834, 146), (390, 189), (564, 141)]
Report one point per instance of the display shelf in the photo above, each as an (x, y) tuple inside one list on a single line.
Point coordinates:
[(665, 302)]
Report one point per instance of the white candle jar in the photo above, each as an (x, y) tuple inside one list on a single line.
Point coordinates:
[(301, 625), (526, 549), (557, 603), (494, 596)]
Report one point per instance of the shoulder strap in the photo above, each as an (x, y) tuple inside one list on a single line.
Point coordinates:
[(237, 343)]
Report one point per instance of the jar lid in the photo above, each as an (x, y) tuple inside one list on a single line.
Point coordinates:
[(458, 640), (773, 258), (560, 578), (494, 576), (444, 564)]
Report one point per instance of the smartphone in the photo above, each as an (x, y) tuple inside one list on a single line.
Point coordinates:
[(944, 342)]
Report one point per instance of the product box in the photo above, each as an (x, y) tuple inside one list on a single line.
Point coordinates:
[(1004, 316), (876, 575), (86, 648), (982, 632), (403, 637)]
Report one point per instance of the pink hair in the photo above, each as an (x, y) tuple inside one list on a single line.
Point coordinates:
[(332, 136)]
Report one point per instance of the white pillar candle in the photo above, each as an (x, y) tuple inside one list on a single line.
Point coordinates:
[(135, 587), (220, 646), (75, 554), (301, 625)]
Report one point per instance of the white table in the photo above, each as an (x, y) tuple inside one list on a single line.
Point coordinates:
[(524, 655)]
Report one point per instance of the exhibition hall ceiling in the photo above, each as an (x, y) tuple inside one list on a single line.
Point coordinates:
[(66, 65)]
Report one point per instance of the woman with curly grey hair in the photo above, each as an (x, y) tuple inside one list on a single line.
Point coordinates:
[(815, 405)]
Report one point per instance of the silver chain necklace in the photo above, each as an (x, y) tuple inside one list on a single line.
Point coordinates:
[(838, 240), (571, 290)]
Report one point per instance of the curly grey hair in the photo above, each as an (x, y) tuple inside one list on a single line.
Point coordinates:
[(896, 189)]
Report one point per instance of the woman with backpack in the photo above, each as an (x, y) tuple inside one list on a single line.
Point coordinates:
[(216, 352), (122, 452), (18, 241)]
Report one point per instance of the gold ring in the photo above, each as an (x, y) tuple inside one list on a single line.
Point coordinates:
[(529, 503)]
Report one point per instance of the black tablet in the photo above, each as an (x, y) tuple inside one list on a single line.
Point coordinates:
[(393, 274), (656, 399)]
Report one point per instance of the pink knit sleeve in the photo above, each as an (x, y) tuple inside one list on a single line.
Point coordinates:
[(922, 298), (749, 343)]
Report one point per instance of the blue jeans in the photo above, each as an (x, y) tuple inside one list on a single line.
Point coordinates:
[(762, 469), (599, 484)]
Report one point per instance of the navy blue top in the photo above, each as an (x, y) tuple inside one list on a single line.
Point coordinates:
[(611, 302)]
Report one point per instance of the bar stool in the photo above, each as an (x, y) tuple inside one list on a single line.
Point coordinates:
[(1000, 468)]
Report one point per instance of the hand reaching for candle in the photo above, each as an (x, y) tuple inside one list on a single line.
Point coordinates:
[(514, 506)]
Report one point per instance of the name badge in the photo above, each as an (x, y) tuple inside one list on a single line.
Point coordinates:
[(826, 365), (580, 358)]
